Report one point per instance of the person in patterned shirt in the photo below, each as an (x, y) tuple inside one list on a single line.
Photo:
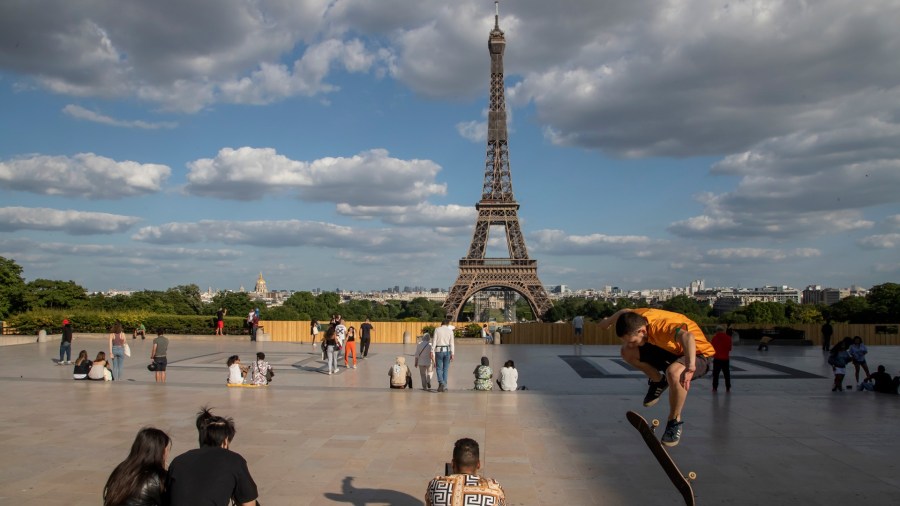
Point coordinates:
[(464, 486)]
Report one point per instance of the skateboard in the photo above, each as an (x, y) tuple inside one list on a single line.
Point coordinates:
[(681, 482)]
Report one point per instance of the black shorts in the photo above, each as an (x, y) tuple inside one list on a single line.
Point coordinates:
[(661, 359), (161, 363)]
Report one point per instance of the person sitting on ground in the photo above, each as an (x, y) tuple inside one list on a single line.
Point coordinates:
[(139, 479), (100, 368), (140, 330), (400, 375), (213, 473), (82, 366), (509, 377), (880, 381), (261, 370), (237, 372), (483, 374), (464, 486)]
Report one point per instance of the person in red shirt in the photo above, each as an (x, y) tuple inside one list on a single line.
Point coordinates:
[(722, 343)]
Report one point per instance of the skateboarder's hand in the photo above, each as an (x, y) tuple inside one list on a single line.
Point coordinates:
[(686, 377)]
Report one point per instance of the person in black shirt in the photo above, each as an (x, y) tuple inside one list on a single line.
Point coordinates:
[(881, 382), (211, 474)]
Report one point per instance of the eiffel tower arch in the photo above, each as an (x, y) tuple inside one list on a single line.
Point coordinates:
[(497, 207)]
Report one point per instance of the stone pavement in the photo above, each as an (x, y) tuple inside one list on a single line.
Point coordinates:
[(780, 437)]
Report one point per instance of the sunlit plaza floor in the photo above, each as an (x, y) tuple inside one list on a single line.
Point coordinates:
[(780, 437)]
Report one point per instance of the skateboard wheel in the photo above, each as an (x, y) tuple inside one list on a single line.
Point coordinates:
[(655, 423), (692, 476)]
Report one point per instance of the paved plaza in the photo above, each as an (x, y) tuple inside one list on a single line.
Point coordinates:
[(780, 437)]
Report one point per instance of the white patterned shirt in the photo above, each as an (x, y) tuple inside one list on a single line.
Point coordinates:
[(464, 489)]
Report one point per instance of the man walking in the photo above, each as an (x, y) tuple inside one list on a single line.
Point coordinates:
[(365, 331), (443, 352)]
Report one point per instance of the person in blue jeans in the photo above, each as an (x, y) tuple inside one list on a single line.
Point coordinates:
[(443, 352), (65, 344), (117, 350)]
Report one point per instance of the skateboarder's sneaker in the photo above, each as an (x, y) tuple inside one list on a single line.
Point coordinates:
[(672, 434), (656, 390)]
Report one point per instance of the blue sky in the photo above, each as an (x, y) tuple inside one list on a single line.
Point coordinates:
[(340, 143)]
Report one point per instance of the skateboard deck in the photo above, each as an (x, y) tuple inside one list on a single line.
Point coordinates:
[(681, 482)]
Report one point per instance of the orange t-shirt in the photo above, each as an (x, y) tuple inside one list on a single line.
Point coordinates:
[(662, 327)]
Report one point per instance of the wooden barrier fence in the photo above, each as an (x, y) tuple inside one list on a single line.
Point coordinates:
[(562, 333)]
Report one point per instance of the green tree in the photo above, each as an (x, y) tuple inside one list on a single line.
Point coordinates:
[(237, 303), (280, 313), (764, 312), (12, 288), (49, 294), (801, 313), (692, 308), (884, 303), (851, 310), (185, 299)]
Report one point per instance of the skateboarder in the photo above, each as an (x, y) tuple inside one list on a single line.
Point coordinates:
[(670, 349)]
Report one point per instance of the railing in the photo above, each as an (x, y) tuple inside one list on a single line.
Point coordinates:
[(497, 262)]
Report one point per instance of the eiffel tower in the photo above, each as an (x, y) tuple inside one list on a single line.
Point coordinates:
[(497, 207)]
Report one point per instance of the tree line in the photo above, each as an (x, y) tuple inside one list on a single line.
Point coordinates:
[(881, 305)]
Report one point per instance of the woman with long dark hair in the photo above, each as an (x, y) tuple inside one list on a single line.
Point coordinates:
[(117, 350), (140, 478)]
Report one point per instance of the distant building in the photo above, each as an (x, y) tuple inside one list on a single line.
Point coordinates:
[(815, 294), (260, 290)]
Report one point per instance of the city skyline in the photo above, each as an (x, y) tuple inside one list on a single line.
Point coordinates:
[(341, 143)]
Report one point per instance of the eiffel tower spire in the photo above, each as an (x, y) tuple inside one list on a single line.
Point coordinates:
[(497, 207)]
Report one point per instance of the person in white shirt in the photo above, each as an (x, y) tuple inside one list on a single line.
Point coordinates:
[(509, 377), (578, 325), (443, 352)]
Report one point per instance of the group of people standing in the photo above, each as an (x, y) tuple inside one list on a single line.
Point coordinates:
[(338, 337), (434, 356)]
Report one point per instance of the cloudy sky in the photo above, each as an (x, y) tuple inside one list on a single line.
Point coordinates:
[(340, 143)]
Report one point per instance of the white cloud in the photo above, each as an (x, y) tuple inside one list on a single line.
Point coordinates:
[(83, 175), (422, 214), (371, 178), (68, 221), (893, 221), (475, 131), (625, 246), (78, 112), (880, 241), (153, 254), (291, 233), (757, 255), (273, 82), (723, 222)]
